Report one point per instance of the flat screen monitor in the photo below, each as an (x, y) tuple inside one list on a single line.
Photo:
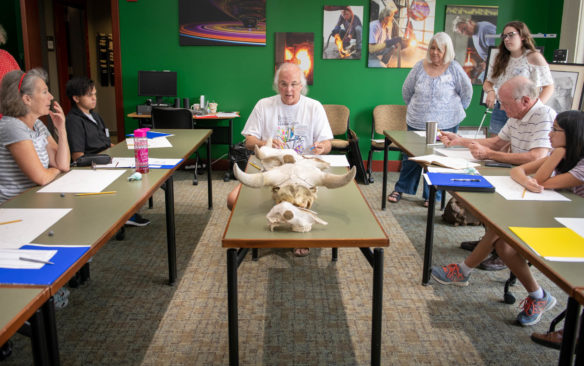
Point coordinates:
[(157, 84)]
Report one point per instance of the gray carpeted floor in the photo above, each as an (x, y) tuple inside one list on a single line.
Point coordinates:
[(292, 311)]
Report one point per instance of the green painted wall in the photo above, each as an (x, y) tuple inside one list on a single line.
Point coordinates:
[(236, 77)]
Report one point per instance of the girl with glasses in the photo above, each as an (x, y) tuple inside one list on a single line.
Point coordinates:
[(517, 56)]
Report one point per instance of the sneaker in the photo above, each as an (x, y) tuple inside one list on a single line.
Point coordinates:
[(534, 308), (493, 263), (469, 245), (450, 275), (137, 220)]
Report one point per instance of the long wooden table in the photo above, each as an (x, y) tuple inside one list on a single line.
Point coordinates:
[(351, 223), (498, 214), (95, 219)]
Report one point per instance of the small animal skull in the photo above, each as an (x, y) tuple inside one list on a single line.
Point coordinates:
[(296, 218)]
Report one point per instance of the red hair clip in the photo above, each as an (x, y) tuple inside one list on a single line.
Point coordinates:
[(20, 82)]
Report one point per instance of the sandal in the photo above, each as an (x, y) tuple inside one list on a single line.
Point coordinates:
[(301, 252), (394, 197)]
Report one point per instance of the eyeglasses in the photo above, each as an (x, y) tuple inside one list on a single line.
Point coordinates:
[(285, 85), (509, 35)]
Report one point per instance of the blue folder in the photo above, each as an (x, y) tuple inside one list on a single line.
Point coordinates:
[(66, 256), (460, 182), (151, 134)]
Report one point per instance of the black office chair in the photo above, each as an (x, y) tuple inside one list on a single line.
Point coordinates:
[(339, 118), (178, 118)]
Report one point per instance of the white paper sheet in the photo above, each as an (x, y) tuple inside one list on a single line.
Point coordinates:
[(333, 160), (9, 258), (435, 169), (445, 161), (511, 190), (131, 163), (420, 133), (35, 221), (576, 224), (227, 115), (155, 143), (456, 152), (83, 181)]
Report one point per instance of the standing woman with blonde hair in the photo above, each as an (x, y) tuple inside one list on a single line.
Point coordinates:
[(436, 89), (517, 57), (29, 155)]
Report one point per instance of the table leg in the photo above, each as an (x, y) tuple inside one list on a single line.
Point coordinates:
[(384, 187), (170, 229), (254, 254), (377, 306), (335, 254), (232, 306), (40, 352), (570, 327), (209, 180), (48, 309), (580, 344), (429, 237)]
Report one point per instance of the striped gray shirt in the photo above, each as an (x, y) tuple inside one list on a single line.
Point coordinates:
[(531, 131), (12, 180)]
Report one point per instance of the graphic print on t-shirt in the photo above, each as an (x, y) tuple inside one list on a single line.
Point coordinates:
[(290, 131)]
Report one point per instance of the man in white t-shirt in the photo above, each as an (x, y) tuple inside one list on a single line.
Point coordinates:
[(290, 119)]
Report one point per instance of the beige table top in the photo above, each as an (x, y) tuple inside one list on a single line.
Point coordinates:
[(93, 220), (18, 305), (351, 223), (499, 213)]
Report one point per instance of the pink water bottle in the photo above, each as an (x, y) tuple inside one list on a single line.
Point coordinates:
[(141, 150)]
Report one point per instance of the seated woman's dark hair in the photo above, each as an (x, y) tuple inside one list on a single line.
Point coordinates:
[(79, 86), (572, 122)]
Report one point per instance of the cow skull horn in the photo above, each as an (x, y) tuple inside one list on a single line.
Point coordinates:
[(250, 180), (336, 181)]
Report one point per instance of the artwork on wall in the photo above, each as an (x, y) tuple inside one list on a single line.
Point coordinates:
[(568, 87), (491, 56), (297, 48), (342, 32), (470, 28), (222, 22), (399, 32)]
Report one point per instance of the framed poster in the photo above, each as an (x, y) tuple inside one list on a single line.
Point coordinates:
[(568, 87), (222, 23), (297, 48), (493, 52), (399, 32), (342, 32), (471, 29)]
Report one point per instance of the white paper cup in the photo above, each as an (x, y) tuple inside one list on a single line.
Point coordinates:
[(213, 107)]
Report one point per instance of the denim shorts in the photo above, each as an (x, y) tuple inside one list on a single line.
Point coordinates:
[(498, 119)]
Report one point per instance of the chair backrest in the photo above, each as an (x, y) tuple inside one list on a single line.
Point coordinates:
[(172, 118), (338, 117), (389, 117)]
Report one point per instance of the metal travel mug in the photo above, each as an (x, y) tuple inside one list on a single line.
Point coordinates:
[(431, 132)]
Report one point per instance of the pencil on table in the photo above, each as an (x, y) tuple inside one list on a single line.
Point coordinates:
[(523, 195), (255, 166), (95, 193), (9, 222)]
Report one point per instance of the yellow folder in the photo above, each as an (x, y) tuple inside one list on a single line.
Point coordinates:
[(553, 243)]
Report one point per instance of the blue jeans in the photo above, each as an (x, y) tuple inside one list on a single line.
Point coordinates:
[(498, 119), (410, 172)]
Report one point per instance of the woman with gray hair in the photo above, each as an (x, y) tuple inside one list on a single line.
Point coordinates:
[(29, 156), (436, 89)]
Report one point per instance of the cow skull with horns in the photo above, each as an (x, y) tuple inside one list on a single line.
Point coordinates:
[(295, 183)]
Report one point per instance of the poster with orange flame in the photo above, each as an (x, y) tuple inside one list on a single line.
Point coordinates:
[(342, 32), (470, 28), (297, 48)]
